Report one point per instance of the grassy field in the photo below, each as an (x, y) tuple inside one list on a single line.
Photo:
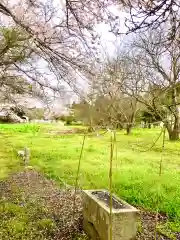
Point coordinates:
[(135, 170)]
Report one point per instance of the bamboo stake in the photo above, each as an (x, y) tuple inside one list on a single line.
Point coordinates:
[(160, 173), (163, 145), (113, 138), (77, 175)]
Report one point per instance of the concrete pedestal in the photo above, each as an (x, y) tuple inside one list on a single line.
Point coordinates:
[(96, 215)]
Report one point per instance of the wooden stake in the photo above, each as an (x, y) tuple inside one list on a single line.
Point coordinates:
[(77, 175), (110, 182)]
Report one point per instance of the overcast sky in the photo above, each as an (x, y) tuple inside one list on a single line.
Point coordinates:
[(108, 39)]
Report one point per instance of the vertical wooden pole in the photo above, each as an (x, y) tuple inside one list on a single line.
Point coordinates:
[(110, 182)]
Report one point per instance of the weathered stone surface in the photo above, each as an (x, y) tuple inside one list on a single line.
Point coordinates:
[(88, 227), (96, 215)]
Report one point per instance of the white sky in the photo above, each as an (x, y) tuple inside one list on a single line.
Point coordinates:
[(108, 39)]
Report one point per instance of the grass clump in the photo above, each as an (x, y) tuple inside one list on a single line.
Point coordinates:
[(25, 222), (169, 229)]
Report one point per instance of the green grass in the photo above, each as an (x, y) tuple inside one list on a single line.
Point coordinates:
[(168, 228), (135, 173), (28, 222)]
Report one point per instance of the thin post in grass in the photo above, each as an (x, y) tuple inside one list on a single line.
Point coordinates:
[(113, 139), (163, 145), (160, 173), (78, 171)]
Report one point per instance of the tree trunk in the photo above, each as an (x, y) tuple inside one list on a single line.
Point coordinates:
[(173, 135), (128, 128), (173, 127), (119, 126), (129, 125), (174, 131)]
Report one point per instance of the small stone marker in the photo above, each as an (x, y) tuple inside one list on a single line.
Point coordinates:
[(25, 155), (96, 216)]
